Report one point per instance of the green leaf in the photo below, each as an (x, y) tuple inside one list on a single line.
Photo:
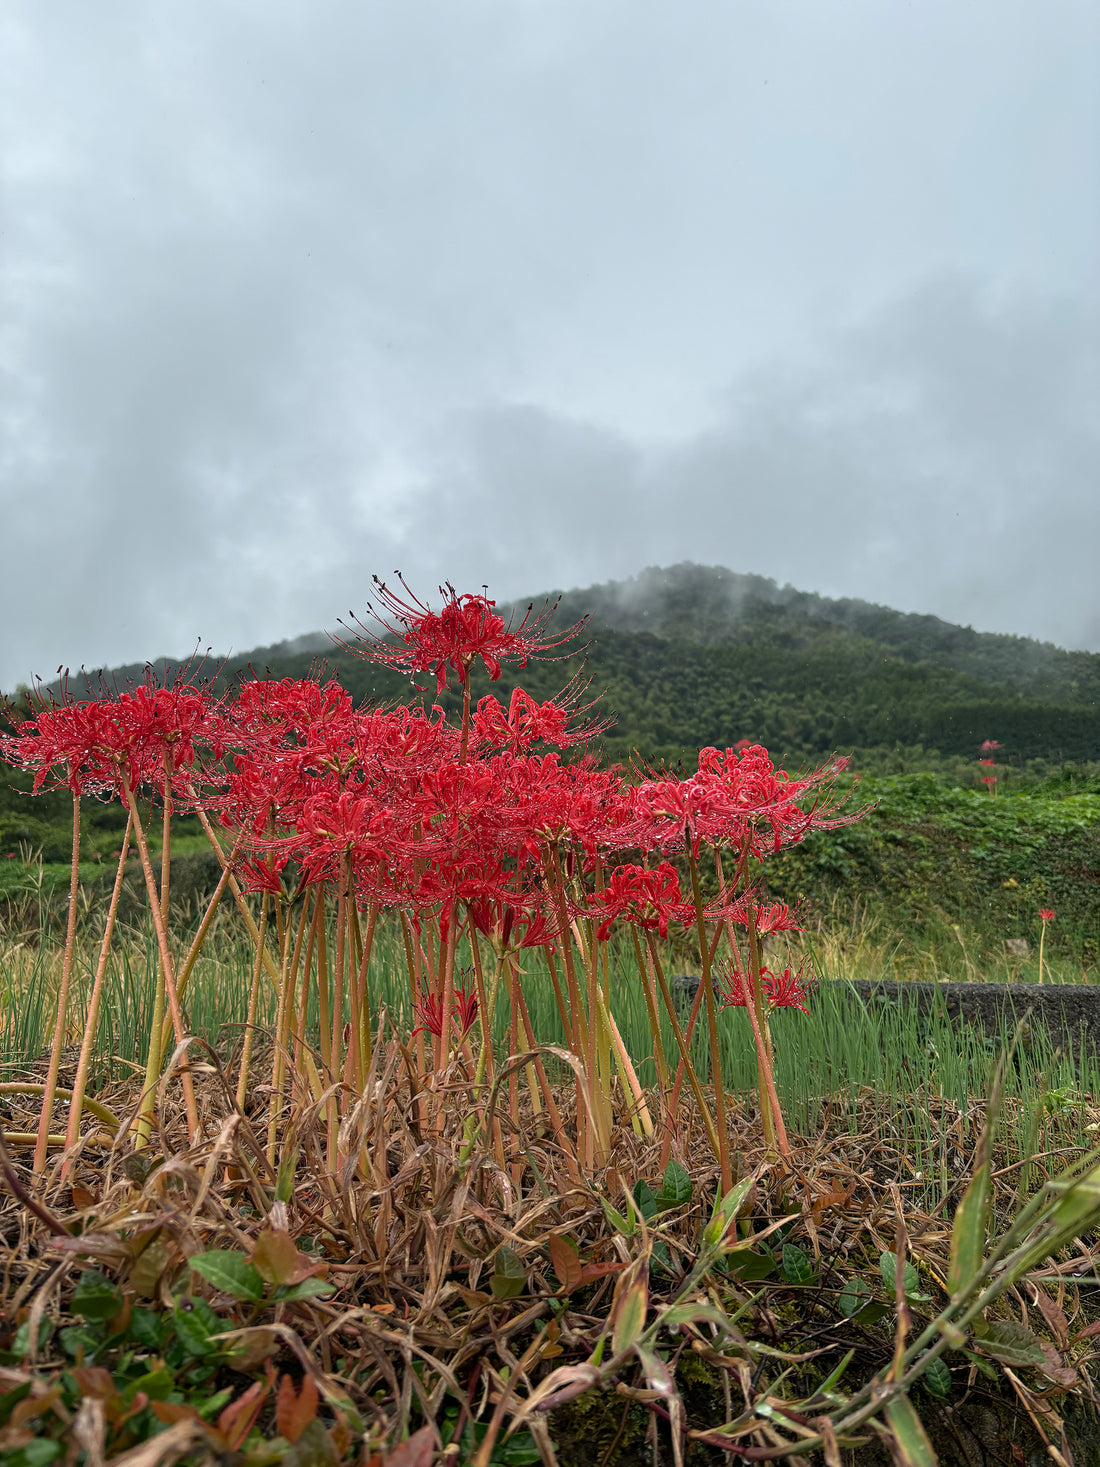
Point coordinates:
[(644, 1199), (35, 1453), (21, 1342), (726, 1210), (797, 1268), (158, 1385), (520, 1451), (858, 1304), (937, 1377), (230, 1272), (1011, 1344), (676, 1186), (969, 1233), (307, 1289), (628, 1227), (630, 1316), (748, 1265), (888, 1267), (149, 1267), (213, 1404), (145, 1328), (834, 1375), (870, 1313), (509, 1275), (855, 1295), (700, 1313), (10, 1399), (914, 1448), (660, 1258), (96, 1297), (983, 1365), (314, 1448), (74, 1339), (284, 1182), (194, 1323)]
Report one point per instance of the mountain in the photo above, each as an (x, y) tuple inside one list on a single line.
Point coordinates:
[(691, 655), (711, 605)]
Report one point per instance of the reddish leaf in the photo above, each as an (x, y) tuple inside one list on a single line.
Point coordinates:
[(416, 1452), (237, 1420), (93, 1380), (1059, 1372), (590, 1272), (1055, 1318), (250, 1348), (121, 1320), (32, 1407), (118, 1413), (294, 1412), (277, 1260), (170, 1412), (474, 1298), (567, 1262), (825, 1200), (82, 1198)]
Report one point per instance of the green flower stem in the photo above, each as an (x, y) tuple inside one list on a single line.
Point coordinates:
[(91, 1025), (48, 1094)]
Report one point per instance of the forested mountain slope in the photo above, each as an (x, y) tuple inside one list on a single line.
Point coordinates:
[(711, 605), (694, 655)]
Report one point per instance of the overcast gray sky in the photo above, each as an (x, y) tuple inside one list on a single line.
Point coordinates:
[(539, 292)]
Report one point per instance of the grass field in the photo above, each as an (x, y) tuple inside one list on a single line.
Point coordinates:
[(830, 1060)]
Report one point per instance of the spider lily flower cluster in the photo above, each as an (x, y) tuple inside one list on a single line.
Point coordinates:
[(497, 841)]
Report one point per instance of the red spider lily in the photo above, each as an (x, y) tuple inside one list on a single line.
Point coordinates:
[(430, 1009), (769, 917), (1047, 914), (65, 745), (90, 745), (649, 899), (527, 722), (734, 796), (989, 745), (989, 779), (786, 990), (254, 876), (452, 639), (988, 763)]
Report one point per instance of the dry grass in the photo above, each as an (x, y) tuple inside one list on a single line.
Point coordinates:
[(414, 1241)]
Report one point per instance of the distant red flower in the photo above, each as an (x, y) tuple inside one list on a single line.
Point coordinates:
[(452, 639), (786, 990), (464, 1011), (736, 797), (1047, 914), (988, 763), (770, 916), (989, 779)]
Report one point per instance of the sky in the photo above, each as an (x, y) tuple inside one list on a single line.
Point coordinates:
[(536, 293)]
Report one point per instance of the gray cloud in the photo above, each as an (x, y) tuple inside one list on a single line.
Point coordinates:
[(535, 295), (940, 456)]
